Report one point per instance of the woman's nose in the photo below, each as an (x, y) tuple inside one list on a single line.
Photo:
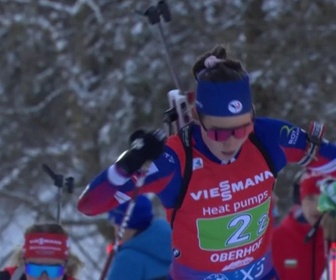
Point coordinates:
[(231, 141), (44, 276)]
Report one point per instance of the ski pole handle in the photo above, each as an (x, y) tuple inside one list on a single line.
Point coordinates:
[(58, 179), (58, 182)]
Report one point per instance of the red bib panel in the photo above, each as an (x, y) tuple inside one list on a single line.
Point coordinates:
[(224, 221)]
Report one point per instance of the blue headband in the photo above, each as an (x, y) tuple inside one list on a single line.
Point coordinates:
[(224, 99)]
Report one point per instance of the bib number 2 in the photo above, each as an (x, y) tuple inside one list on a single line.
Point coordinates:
[(234, 230)]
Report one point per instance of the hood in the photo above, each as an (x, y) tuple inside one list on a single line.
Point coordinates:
[(155, 241)]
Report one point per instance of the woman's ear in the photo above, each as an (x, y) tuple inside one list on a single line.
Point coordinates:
[(253, 112), (194, 114)]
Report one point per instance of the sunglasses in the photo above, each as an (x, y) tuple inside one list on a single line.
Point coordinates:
[(36, 270), (221, 135)]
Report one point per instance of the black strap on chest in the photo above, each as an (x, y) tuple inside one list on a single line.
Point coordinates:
[(256, 142), (185, 136)]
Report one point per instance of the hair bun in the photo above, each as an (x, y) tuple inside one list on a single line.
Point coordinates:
[(211, 61)]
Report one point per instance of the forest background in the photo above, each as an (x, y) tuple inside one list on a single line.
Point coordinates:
[(77, 76)]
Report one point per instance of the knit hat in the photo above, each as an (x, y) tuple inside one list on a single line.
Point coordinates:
[(141, 217), (309, 184)]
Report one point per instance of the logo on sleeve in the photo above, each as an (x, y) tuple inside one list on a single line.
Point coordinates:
[(291, 132)]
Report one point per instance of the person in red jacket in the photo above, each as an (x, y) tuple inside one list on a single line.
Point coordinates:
[(294, 257), (45, 255)]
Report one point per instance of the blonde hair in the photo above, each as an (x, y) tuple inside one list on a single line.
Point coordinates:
[(46, 228), (73, 263)]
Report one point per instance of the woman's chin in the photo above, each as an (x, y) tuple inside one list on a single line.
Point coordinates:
[(227, 155)]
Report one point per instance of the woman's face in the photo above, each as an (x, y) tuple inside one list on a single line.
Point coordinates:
[(237, 128), (309, 208), (44, 269)]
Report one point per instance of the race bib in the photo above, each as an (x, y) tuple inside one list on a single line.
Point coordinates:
[(234, 230)]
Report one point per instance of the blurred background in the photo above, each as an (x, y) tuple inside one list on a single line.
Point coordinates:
[(77, 76)]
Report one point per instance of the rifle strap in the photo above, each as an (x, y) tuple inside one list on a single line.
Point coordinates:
[(185, 136)]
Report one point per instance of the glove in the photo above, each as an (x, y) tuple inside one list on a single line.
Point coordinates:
[(327, 199), (325, 204), (145, 146)]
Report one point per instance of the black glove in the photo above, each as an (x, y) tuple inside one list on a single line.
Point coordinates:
[(145, 146)]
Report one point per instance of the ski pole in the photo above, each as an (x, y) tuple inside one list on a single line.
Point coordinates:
[(329, 272), (154, 15), (59, 183), (331, 260), (314, 228), (179, 113), (139, 182)]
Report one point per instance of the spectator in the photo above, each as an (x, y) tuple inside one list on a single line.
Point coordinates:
[(145, 253), (293, 257), (45, 255)]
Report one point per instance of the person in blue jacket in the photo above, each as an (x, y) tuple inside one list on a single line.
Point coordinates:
[(145, 250)]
